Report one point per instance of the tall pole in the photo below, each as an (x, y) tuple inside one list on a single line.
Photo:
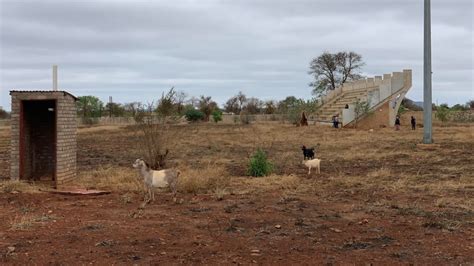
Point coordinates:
[(427, 101), (110, 106), (55, 77)]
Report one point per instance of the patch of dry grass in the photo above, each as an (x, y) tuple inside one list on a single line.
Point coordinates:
[(219, 193), (211, 179), (381, 173), (451, 202), (27, 221), (23, 222), (10, 186), (110, 178)]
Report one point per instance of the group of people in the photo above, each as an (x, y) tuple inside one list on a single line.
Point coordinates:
[(398, 124), (335, 122)]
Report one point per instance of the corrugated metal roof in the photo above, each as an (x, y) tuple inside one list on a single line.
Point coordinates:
[(43, 92)]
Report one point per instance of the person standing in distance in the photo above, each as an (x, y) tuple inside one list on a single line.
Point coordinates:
[(413, 123)]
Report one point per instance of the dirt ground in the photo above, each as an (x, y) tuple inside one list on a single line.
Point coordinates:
[(379, 199)]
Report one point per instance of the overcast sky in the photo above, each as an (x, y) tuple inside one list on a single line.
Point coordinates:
[(134, 50)]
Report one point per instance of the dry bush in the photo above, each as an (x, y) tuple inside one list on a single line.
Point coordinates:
[(153, 140), (110, 178), (219, 193), (155, 137), (212, 178)]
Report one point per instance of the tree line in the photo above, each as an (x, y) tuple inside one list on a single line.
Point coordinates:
[(178, 103), (329, 70)]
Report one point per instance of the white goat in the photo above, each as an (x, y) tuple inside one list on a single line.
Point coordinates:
[(157, 179), (314, 163)]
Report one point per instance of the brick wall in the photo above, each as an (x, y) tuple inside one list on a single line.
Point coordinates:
[(65, 157), (66, 140), (15, 137)]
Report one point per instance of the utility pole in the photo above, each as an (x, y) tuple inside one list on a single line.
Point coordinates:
[(427, 101), (55, 77), (110, 106)]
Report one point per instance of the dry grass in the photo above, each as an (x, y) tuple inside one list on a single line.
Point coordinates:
[(9, 186), (27, 221), (126, 198), (382, 173), (211, 179), (219, 193), (110, 178), (23, 222), (213, 160), (452, 202)]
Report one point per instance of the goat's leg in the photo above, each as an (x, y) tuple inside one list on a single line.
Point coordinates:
[(319, 169), (145, 191), (174, 190), (145, 200), (145, 195), (309, 170), (148, 192)]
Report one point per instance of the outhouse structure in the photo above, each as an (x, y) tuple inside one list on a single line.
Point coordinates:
[(43, 136)]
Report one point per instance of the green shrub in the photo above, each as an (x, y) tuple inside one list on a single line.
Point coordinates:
[(259, 164), (217, 116), (442, 113), (402, 110), (194, 115)]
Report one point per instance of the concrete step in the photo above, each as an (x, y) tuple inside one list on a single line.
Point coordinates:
[(337, 105), (342, 103), (332, 110), (329, 114)]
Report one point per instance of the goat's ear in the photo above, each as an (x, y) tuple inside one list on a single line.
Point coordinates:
[(146, 164)]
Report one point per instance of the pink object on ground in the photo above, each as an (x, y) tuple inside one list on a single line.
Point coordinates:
[(79, 191)]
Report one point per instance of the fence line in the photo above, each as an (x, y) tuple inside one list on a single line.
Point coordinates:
[(456, 116), (226, 119)]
